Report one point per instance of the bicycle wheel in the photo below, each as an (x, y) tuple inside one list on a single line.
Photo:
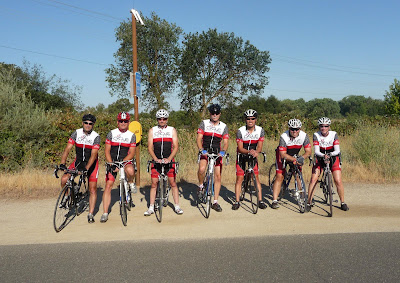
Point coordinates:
[(166, 196), (252, 189), (243, 190), (324, 188), (159, 200), (329, 186), (209, 193), (122, 203), (301, 192), (63, 209)]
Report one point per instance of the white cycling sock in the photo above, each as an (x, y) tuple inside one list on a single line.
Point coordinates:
[(215, 201)]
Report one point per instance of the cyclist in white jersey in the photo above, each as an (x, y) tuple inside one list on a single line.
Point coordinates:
[(326, 145), (290, 144), (120, 146), (210, 134), (249, 139), (163, 146), (87, 144)]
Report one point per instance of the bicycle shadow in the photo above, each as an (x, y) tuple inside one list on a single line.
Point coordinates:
[(143, 196), (287, 201), (320, 203)]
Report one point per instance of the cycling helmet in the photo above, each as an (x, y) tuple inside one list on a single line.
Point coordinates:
[(123, 116), (89, 117), (250, 113), (162, 114), (324, 121), (294, 123), (214, 109)]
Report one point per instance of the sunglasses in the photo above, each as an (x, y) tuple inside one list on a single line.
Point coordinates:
[(123, 121), (294, 129), (162, 119), (250, 119), (323, 126), (88, 123), (215, 113)]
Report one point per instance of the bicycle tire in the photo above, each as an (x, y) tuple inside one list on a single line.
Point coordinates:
[(209, 193), (159, 200), (302, 192), (243, 189), (123, 204), (253, 192), (62, 212), (166, 196), (330, 191)]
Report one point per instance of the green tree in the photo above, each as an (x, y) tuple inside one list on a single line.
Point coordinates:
[(392, 98), (122, 104), (319, 107), (219, 67), (360, 105), (158, 51)]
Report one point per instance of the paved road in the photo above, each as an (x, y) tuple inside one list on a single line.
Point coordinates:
[(359, 257)]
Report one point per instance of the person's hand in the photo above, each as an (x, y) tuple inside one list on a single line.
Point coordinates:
[(300, 160), (253, 153), (84, 172), (221, 153), (203, 151)]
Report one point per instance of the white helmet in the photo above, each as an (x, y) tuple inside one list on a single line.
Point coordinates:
[(162, 114), (324, 121), (294, 123), (250, 113)]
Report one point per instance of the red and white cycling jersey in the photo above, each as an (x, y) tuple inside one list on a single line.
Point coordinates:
[(292, 145), (120, 143), (84, 143), (213, 134), (250, 140), (162, 141), (323, 145)]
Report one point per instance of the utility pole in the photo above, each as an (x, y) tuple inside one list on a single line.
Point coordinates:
[(136, 17)]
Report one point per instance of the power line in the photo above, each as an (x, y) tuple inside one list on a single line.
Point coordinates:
[(53, 55)]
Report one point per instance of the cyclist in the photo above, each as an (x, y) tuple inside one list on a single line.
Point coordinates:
[(249, 139), (120, 146), (290, 144), (87, 144), (163, 146), (209, 136), (326, 145)]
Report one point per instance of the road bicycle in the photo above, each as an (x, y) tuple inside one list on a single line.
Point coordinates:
[(249, 184), (299, 191), (206, 194), (163, 186), (326, 184), (72, 200), (125, 194)]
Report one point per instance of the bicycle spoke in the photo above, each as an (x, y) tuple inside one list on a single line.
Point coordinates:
[(63, 209), (123, 204)]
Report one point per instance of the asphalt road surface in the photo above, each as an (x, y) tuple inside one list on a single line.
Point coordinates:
[(357, 257)]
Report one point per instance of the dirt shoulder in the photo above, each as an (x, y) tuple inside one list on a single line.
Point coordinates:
[(373, 208)]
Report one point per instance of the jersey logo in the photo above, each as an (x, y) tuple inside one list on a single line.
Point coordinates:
[(162, 134), (84, 139), (119, 138), (212, 128)]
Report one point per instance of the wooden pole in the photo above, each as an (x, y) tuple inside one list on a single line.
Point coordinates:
[(135, 98)]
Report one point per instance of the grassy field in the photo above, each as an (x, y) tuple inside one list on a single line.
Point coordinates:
[(370, 155)]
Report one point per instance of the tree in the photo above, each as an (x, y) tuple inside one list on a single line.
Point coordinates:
[(219, 67), (158, 51), (51, 92), (122, 104), (360, 105), (392, 98), (320, 107)]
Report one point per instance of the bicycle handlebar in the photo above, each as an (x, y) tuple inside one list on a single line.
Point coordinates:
[(213, 155), (172, 162), (68, 171)]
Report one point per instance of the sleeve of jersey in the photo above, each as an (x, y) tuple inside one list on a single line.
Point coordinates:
[(239, 136), (225, 134), (133, 141), (306, 142), (109, 138), (201, 128), (262, 135), (336, 140), (72, 139), (282, 145), (96, 143)]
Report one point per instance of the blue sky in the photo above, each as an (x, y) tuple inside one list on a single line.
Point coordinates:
[(319, 49)]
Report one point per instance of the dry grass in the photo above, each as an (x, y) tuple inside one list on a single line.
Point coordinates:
[(33, 183)]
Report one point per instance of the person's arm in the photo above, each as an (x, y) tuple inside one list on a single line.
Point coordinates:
[(307, 147), (174, 145), (66, 152), (150, 146), (336, 146), (94, 153), (239, 143), (283, 151)]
